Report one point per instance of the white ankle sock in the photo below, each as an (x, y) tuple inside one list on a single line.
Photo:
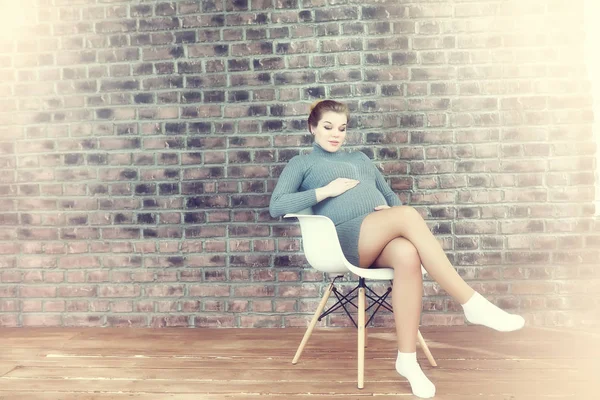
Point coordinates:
[(478, 310), (408, 367)]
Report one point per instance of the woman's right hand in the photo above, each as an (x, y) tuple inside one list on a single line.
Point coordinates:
[(335, 188), (339, 186)]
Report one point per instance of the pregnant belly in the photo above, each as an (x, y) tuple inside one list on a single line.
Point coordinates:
[(353, 203)]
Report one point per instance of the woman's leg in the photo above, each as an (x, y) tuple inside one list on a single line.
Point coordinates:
[(380, 227), (407, 293), (402, 256)]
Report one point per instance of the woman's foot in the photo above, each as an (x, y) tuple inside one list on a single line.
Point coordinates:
[(408, 367), (478, 310)]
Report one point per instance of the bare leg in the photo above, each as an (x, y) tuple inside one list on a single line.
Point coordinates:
[(407, 293), (381, 227), (402, 256), (406, 222)]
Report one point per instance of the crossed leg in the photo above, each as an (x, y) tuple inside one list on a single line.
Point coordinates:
[(407, 294), (380, 228), (399, 238), (382, 244)]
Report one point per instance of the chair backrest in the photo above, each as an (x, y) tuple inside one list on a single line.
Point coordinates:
[(320, 241)]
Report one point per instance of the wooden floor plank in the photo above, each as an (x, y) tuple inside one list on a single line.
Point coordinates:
[(246, 396), (499, 352), (176, 362), (276, 374), (5, 368), (445, 386)]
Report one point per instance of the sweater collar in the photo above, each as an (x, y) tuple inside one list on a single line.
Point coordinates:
[(320, 151)]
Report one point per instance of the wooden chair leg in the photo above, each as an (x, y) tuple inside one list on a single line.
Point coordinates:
[(426, 349), (313, 322), (361, 337)]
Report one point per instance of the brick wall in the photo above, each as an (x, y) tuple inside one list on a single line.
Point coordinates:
[(140, 141)]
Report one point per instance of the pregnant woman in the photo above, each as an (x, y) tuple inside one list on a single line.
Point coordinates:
[(375, 229)]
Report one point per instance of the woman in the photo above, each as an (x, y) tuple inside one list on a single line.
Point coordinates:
[(375, 229)]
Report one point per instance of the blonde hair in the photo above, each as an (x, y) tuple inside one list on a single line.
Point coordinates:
[(320, 107)]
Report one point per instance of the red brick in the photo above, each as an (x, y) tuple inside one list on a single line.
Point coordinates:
[(292, 276), (75, 276), (127, 321), (119, 291), (139, 276), (214, 305), (209, 290), (9, 320), (306, 290), (77, 291), (164, 291), (302, 321), (8, 306), (170, 321), (83, 320), (79, 262), (37, 291), (250, 260), (215, 275), (164, 306), (42, 320), (259, 321), (214, 321), (263, 275), (31, 305), (236, 306), (190, 306), (77, 306), (32, 277), (206, 261), (254, 291), (285, 306), (10, 276), (54, 276), (262, 306), (54, 305), (239, 275)]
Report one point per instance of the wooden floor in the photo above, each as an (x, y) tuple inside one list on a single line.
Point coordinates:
[(216, 364)]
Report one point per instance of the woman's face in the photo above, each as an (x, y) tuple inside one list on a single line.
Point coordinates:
[(330, 132)]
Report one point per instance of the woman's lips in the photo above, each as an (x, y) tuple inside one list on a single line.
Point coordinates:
[(334, 143)]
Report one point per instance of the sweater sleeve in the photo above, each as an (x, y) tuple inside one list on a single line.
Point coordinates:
[(385, 189), (286, 198)]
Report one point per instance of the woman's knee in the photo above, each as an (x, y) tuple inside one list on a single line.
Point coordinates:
[(409, 260), (404, 257), (407, 213)]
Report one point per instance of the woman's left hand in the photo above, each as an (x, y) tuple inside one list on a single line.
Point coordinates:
[(381, 207)]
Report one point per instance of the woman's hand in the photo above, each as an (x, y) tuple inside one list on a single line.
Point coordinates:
[(336, 187), (382, 207)]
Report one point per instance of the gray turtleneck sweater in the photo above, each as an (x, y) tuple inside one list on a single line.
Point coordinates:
[(295, 189)]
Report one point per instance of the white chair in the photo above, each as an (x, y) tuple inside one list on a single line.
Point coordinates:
[(323, 252)]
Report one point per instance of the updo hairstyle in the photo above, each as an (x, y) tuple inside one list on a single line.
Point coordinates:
[(320, 107)]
